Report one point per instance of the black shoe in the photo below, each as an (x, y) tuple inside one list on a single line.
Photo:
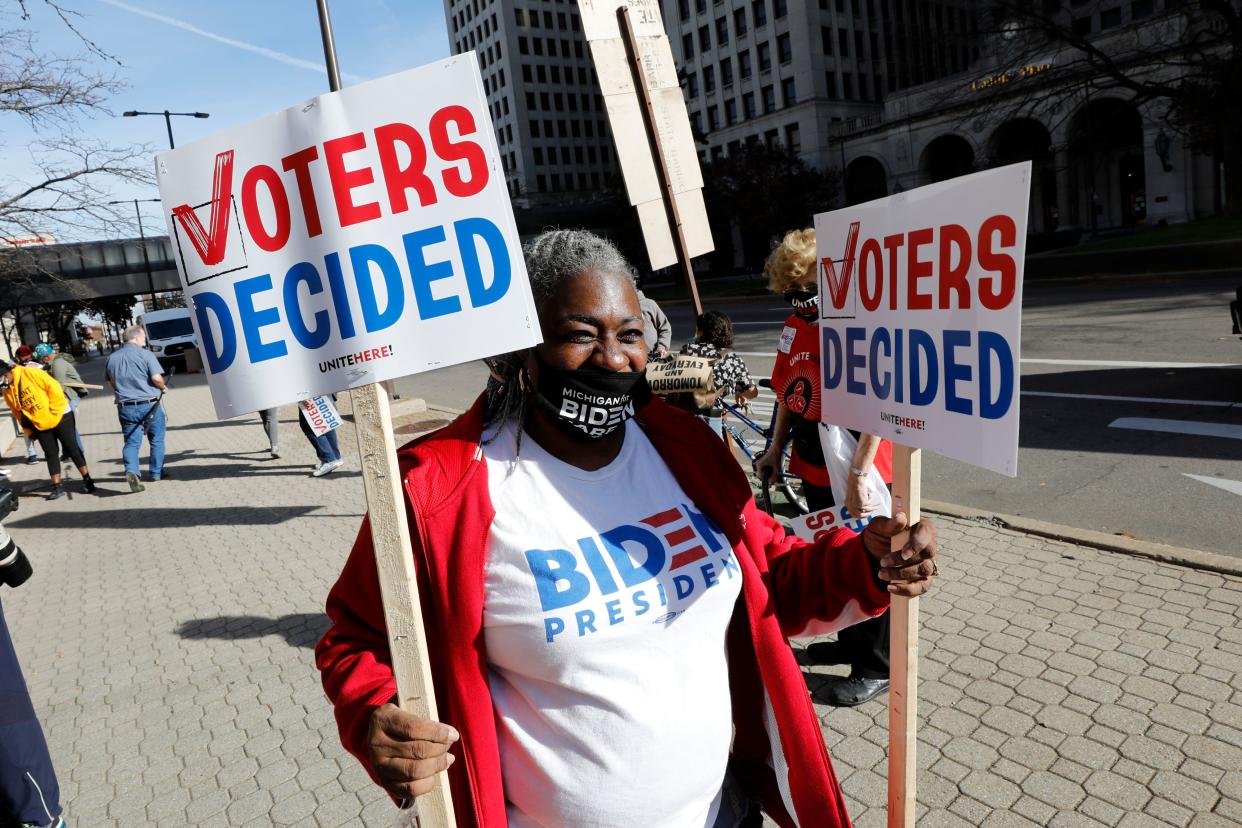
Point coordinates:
[(31, 460), (88, 485), (827, 652), (852, 691), (56, 492)]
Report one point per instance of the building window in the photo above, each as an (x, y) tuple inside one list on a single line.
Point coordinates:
[(730, 112), (843, 43), (847, 84), (692, 85), (523, 48), (713, 118), (858, 44), (784, 49), (562, 129), (1110, 18), (537, 43), (534, 129), (726, 72), (765, 57), (1140, 9), (825, 35), (541, 184), (687, 46), (769, 99), (709, 79), (743, 65), (748, 105), (717, 153), (739, 21), (696, 121), (759, 11), (565, 155), (771, 137), (778, 9), (541, 72), (705, 38), (789, 92), (530, 101), (722, 31), (519, 17), (700, 6), (792, 138), (538, 153), (683, 9)]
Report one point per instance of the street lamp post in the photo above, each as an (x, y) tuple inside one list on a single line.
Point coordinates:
[(146, 259), (167, 120)]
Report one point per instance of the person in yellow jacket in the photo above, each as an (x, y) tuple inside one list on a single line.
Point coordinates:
[(39, 404)]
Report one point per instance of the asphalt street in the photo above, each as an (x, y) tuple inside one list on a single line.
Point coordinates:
[(1131, 408)]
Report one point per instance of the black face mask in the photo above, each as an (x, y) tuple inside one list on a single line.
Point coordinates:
[(589, 403), (805, 301)]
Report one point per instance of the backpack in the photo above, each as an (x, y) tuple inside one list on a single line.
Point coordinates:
[(685, 381)]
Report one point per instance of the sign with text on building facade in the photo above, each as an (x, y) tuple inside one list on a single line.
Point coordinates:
[(921, 316), (361, 236)]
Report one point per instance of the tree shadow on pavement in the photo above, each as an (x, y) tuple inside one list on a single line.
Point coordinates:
[(137, 518), (299, 629)]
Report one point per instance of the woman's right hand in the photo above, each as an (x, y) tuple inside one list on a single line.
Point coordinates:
[(768, 465), (407, 751)]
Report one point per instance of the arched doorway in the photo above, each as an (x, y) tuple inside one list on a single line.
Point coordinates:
[(947, 157), (1025, 139), (865, 180), (1106, 165)]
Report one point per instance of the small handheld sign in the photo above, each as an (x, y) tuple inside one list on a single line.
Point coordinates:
[(920, 324), (320, 414)]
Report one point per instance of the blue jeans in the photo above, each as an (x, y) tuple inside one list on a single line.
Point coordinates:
[(132, 429), (28, 788), (327, 449)]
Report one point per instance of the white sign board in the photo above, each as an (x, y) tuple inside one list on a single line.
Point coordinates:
[(921, 316), (820, 524), (360, 236)]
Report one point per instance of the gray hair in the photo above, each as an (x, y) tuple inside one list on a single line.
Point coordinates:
[(133, 332), (551, 258)]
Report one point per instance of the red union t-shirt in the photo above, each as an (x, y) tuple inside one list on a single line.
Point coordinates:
[(796, 379)]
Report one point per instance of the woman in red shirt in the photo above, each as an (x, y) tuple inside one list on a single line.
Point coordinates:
[(796, 379)]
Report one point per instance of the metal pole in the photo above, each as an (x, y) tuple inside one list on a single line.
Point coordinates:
[(329, 46), (168, 123), (146, 260), (653, 135)]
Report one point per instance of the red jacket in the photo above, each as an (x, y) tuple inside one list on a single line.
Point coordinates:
[(787, 585)]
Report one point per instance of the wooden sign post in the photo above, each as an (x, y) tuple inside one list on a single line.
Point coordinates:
[(390, 537), (903, 656)]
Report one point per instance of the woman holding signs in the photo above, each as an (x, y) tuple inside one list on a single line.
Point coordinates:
[(606, 607), (796, 379)]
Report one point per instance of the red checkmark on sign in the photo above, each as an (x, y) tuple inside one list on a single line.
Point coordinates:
[(210, 244), (838, 285)]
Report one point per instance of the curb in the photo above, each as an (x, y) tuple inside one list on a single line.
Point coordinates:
[(1176, 555)]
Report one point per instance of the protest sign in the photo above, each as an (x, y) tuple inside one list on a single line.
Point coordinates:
[(921, 311), (360, 236), (321, 415)]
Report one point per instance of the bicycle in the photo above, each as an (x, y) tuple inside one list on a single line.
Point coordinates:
[(784, 480)]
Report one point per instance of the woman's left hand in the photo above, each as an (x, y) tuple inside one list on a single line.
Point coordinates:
[(910, 571)]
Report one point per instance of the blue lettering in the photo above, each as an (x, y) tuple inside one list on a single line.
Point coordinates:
[(552, 567), (881, 387), (340, 299), (831, 356), (423, 274), (899, 365), (993, 408), (552, 627), (586, 621), (361, 258), (663, 595), (218, 359), (955, 371), (614, 612), (684, 585), (730, 565), (631, 574), (710, 578), (305, 273), (922, 346), (253, 319), (595, 562), (854, 360), (467, 231), (640, 602)]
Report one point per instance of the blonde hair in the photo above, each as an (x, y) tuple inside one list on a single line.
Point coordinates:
[(792, 260)]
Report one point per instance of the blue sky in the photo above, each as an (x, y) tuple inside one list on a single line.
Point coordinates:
[(174, 58)]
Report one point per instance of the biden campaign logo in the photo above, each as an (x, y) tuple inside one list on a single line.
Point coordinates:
[(659, 567)]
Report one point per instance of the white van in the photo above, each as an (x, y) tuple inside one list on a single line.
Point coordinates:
[(170, 333)]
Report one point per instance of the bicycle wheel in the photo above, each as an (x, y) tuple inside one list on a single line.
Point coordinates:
[(797, 502)]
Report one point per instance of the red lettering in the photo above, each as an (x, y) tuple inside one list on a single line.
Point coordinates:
[(343, 180), (299, 164), (953, 277), (1003, 264), (893, 244), (210, 245), (250, 207), (870, 261), (413, 176), (916, 269), (468, 151)]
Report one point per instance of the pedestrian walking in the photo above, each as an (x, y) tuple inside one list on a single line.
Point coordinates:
[(657, 330), (270, 417), (327, 448), (713, 340), (608, 607), (25, 357), (63, 370), (39, 404), (137, 379), (29, 791)]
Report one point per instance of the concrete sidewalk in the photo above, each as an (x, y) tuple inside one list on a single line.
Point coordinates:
[(167, 642)]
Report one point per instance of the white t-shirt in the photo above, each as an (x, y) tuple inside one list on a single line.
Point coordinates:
[(607, 599)]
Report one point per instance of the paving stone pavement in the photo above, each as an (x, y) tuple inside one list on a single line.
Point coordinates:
[(167, 636)]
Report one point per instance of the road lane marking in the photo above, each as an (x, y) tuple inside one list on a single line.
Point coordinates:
[(1234, 486), (1108, 398), (1192, 427)]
